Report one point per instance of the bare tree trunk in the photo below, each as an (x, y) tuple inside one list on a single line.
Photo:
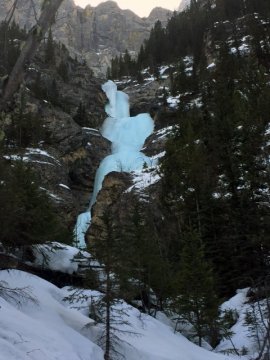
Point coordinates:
[(108, 317), (34, 38)]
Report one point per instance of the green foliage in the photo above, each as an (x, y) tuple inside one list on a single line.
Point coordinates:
[(63, 71), (196, 302), (50, 49), (133, 251), (26, 211), (186, 32), (122, 66), (11, 39), (146, 255), (47, 90), (25, 129), (215, 172), (80, 115), (109, 250)]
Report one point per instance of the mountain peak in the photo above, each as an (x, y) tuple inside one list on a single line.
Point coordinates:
[(159, 12), (107, 4)]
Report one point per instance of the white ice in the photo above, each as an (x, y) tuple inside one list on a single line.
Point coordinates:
[(127, 135)]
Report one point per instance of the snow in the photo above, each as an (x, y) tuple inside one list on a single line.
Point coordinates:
[(241, 338), (197, 102), (162, 71), (53, 196), (49, 328), (143, 179), (188, 70), (127, 135), (64, 186), (164, 132), (211, 66), (188, 60), (149, 79), (173, 101), (243, 49), (163, 68), (91, 131), (147, 176), (32, 152), (26, 159), (44, 329), (59, 257), (37, 151)]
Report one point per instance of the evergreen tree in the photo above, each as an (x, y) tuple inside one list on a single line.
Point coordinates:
[(50, 50), (63, 70), (80, 115), (26, 211), (215, 170), (26, 128), (196, 300), (110, 252), (10, 39)]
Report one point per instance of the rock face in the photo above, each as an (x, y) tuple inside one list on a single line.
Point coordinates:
[(183, 5), (108, 199), (94, 33), (66, 154)]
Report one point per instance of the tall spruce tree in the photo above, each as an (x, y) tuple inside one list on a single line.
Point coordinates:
[(196, 301)]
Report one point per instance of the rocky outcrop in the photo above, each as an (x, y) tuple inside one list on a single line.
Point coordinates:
[(63, 153), (94, 33), (108, 199)]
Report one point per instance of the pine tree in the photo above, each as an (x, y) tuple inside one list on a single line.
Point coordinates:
[(80, 115), (63, 71), (26, 210), (196, 300), (110, 252), (50, 50)]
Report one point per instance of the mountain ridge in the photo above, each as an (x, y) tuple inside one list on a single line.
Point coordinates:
[(92, 34)]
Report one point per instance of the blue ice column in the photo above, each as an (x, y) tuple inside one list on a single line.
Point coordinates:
[(127, 135)]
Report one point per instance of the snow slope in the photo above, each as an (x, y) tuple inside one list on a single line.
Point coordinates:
[(52, 329), (44, 329)]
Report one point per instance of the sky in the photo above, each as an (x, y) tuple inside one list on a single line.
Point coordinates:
[(140, 7)]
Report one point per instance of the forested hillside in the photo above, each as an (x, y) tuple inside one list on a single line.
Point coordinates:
[(215, 173), (214, 195)]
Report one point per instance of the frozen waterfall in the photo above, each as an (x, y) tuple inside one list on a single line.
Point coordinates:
[(127, 135)]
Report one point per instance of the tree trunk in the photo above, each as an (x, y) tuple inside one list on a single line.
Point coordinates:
[(34, 38), (108, 317)]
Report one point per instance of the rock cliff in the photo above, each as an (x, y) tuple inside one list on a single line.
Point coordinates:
[(94, 34)]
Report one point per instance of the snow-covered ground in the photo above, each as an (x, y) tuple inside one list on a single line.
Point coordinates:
[(38, 321), (242, 340), (61, 257), (45, 327), (42, 328)]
